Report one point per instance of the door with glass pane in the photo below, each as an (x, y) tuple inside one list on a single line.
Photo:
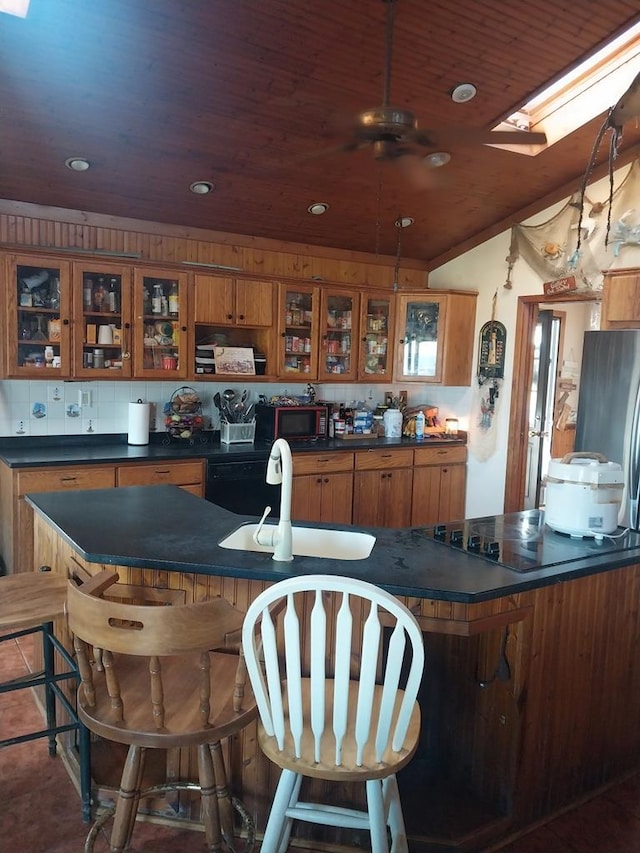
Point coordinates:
[(160, 324), (39, 317), (339, 335), (375, 363), (102, 320), (298, 332), (421, 322)]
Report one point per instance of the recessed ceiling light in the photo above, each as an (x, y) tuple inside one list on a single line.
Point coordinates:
[(77, 164), (438, 158), (463, 93), (201, 187), (318, 208), (404, 221)]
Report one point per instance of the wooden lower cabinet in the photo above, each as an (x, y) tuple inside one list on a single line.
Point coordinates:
[(382, 488), (322, 487), (188, 475), (439, 485), (16, 516)]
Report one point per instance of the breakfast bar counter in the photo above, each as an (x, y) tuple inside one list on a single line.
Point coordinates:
[(531, 693)]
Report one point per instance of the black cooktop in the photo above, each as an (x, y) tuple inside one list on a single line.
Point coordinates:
[(523, 542)]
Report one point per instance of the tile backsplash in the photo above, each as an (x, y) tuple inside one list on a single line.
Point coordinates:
[(35, 407)]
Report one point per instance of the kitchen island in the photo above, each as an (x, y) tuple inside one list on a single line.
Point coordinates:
[(530, 697)]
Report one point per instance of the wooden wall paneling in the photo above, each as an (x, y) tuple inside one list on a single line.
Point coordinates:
[(55, 228)]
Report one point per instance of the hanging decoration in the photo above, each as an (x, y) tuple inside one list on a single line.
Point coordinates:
[(491, 356), (570, 244)]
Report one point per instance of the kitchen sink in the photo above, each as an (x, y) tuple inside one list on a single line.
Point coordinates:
[(307, 542)]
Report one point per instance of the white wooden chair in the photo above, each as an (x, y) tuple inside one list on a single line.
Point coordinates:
[(333, 708)]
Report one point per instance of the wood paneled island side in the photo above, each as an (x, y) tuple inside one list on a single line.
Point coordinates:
[(531, 696)]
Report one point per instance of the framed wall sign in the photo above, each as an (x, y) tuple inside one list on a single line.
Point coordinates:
[(491, 352)]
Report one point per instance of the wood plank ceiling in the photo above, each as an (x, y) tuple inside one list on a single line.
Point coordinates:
[(256, 97)]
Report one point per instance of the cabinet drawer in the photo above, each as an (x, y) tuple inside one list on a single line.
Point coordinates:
[(177, 473), (440, 455), (57, 479), (376, 460), (317, 463)]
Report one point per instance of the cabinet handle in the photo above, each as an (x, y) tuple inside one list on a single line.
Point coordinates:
[(326, 479), (240, 316), (183, 328), (229, 316), (65, 322), (162, 471), (68, 479), (320, 461), (319, 480), (386, 456)]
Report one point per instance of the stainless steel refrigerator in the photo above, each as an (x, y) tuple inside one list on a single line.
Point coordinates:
[(608, 419)]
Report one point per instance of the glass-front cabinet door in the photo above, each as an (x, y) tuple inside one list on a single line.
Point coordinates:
[(339, 335), (298, 331), (102, 320), (421, 322), (375, 363), (160, 324), (39, 317)]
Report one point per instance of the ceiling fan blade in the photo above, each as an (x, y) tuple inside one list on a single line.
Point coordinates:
[(465, 136)]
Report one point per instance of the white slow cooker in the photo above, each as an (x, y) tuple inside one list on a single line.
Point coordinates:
[(583, 494)]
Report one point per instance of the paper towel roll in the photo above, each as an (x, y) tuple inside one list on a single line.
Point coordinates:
[(139, 422)]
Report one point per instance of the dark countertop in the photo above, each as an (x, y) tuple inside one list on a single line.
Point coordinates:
[(67, 450), (166, 528)]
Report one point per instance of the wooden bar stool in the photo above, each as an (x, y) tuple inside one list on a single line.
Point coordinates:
[(151, 678), (29, 602)]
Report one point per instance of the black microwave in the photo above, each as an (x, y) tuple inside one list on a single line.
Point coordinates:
[(294, 423)]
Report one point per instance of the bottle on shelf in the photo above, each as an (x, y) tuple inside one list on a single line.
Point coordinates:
[(146, 300), (87, 294), (156, 299), (174, 300), (99, 295), (26, 299), (113, 296)]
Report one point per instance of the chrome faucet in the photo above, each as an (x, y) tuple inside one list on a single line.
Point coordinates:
[(279, 470)]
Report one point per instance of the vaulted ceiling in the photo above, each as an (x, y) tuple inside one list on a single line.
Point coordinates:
[(257, 97)]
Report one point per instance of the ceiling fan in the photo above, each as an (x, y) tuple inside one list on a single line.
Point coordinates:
[(393, 133)]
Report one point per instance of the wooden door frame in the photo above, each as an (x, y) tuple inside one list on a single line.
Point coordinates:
[(526, 319)]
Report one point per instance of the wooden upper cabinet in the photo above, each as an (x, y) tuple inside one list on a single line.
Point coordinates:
[(37, 291), (102, 310), (375, 351), (621, 300), (339, 316), (435, 336), (160, 330), (227, 301), (297, 347)]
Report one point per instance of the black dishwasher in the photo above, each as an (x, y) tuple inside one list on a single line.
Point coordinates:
[(241, 487)]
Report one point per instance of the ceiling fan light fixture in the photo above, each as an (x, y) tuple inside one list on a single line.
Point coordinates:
[(318, 208), (437, 159), (77, 164), (201, 187), (404, 221), (463, 92)]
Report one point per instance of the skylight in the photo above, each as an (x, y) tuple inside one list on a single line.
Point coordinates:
[(15, 7), (591, 88)]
